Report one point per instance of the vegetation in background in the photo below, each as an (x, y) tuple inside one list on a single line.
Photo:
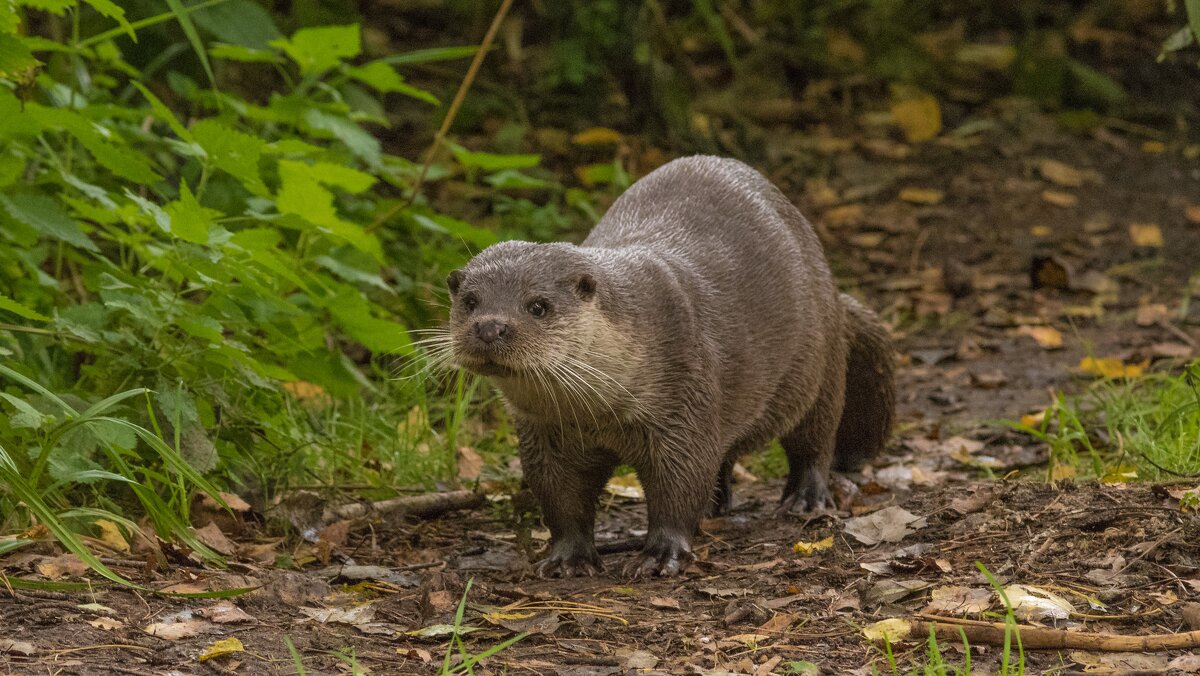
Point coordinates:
[(1125, 429)]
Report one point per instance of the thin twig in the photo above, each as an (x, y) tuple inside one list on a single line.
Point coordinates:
[(450, 115)]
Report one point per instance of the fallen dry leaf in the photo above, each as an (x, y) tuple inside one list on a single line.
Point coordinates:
[(809, 548), (1048, 337), (845, 215), (890, 524), (212, 536), (1059, 198), (225, 613), (175, 630), (7, 645), (891, 630), (1064, 174), (63, 565), (664, 602), (922, 195), (626, 486), (597, 136), (1035, 603), (112, 537), (958, 600), (309, 394), (106, 623), (1112, 367), (470, 463), (920, 117), (361, 614), (1146, 235), (1192, 213), (867, 240), (221, 648), (1154, 147), (1151, 314)]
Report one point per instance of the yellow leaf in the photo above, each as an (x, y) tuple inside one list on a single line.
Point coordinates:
[(808, 548), (890, 630), (1059, 198), (597, 136), (1192, 213), (1146, 234), (1154, 147), (847, 214), (1040, 231), (1062, 174), (111, 536), (922, 195), (920, 117), (1121, 474), (1112, 367), (626, 486), (226, 646), (1047, 336)]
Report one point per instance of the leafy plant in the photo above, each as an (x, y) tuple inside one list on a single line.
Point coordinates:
[(220, 262)]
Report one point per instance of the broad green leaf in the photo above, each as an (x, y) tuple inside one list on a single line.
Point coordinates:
[(239, 22), (317, 50), (16, 61), (384, 78), (18, 309), (120, 161), (382, 336), (233, 152), (490, 162), (9, 21), (339, 176), (26, 417), (302, 194), (189, 221), (362, 144), (46, 216), (202, 327), (111, 10)]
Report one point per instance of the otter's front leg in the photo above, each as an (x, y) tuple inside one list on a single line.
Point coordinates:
[(567, 486), (678, 486)]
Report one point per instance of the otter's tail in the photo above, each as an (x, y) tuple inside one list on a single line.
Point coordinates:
[(870, 388)]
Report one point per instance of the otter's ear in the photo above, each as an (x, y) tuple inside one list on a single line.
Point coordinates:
[(585, 286), (453, 280)]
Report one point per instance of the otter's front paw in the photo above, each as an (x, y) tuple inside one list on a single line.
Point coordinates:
[(571, 560), (810, 493), (666, 557)]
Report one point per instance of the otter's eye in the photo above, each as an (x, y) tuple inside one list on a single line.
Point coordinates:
[(539, 307), (469, 303)]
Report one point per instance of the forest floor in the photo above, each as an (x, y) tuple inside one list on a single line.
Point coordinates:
[(945, 238)]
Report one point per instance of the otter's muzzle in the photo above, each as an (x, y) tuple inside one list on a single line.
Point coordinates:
[(490, 330)]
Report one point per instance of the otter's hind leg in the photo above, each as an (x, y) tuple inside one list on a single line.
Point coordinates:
[(810, 448), (722, 499)]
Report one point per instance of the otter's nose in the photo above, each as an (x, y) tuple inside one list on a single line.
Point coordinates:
[(488, 331)]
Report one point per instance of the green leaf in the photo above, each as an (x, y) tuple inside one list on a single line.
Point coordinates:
[(189, 220), (46, 216), (240, 22), (16, 61), (18, 309), (189, 29), (490, 162), (384, 78), (233, 152), (26, 417), (362, 144), (382, 336), (114, 12), (447, 225), (120, 161), (302, 194), (339, 176), (163, 112), (243, 54), (317, 50), (432, 54)]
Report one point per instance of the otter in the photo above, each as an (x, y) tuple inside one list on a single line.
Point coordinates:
[(696, 322)]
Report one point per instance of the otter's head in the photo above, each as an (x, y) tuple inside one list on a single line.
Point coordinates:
[(519, 308)]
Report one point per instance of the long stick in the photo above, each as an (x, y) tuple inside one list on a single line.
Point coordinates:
[(1041, 638), (476, 62)]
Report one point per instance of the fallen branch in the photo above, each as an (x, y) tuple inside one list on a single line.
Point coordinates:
[(428, 505), (1042, 638)]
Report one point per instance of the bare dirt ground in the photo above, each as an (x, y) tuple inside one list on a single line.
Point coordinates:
[(951, 269)]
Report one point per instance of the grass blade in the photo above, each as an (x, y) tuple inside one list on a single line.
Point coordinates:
[(193, 36)]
